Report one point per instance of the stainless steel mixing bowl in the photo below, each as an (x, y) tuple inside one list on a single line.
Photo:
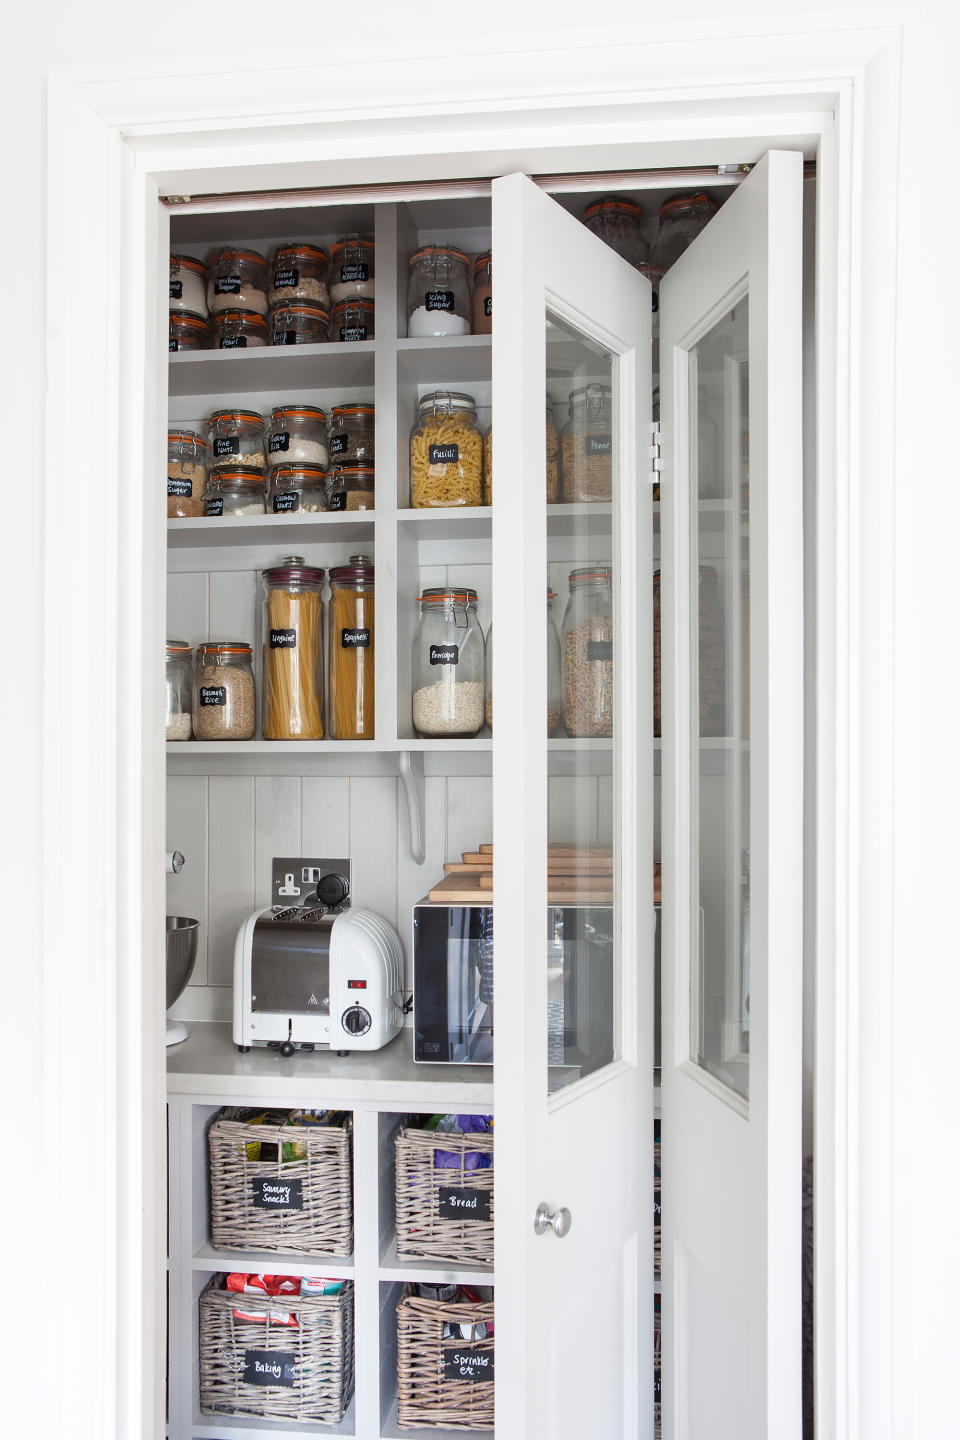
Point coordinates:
[(181, 954)]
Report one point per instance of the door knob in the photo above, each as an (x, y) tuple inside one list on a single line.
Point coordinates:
[(559, 1221)]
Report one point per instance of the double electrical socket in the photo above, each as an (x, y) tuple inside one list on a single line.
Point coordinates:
[(295, 878)]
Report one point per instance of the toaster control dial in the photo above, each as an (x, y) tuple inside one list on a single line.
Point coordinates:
[(356, 1020)]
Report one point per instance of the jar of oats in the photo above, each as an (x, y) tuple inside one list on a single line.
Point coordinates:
[(297, 323), (240, 330), (188, 332), (238, 491), (352, 435), (587, 644), (446, 452), (352, 268), (587, 446), (298, 435), (237, 280), (237, 437), (188, 284), (224, 705), (186, 474), (295, 488), (351, 488), (353, 319), (299, 272), (448, 664)]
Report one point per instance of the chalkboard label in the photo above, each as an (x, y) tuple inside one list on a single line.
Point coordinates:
[(226, 445), (173, 345), (444, 654), (599, 650), (233, 342), (656, 302), (213, 506), (273, 1194), (213, 694), (353, 332), (488, 305), (439, 299), (285, 337), (280, 442), (180, 487), (443, 454), (339, 443), (349, 273), (269, 1367), (176, 289), (459, 1203), (593, 445), (355, 639), (286, 502), (467, 1364), (286, 279), (283, 639), (339, 501), (227, 285)]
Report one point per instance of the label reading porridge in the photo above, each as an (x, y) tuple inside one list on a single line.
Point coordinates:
[(599, 650), (339, 501), (180, 487), (283, 639), (226, 445), (286, 279), (176, 289), (444, 654), (352, 273), (353, 332), (443, 454), (355, 639), (280, 442), (233, 342), (439, 299), (286, 502), (213, 694), (227, 285), (593, 445)]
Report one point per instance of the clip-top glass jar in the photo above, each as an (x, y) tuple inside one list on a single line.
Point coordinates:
[(351, 642), (446, 452), (352, 435), (448, 664), (179, 690), (617, 222), (712, 655), (297, 323), (240, 330), (299, 272), (237, 280), (224, 702), (483, 294), (298, 435), (188, 284), (238, 490), (186, 474), (588, 445), (681, 220), (188, 332), (588, 694), (554, 673), (353, 319), (553, 461), (237, 437), (438, 292), (295, 488), (352, 268), (351, 488), (292, 651)]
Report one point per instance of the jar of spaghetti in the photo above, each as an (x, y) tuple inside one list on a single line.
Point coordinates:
[(446, 452), (352, 268), (298, 435), (237, 280), (296, 488), (438, 292), (236, 491), (299, 272), (353, 319), (617, 222), (482, 295), (237, 437), (681, 220), (188, 284), (240, 330), (351, 488), (588, 445), (351, 648), (188, 332), (297, 323), (224, 704), (352, 435), (588, 653), (186, 474), (292, 651)]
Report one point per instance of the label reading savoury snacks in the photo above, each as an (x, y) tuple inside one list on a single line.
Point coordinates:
[(286, 502), (593, 445), (176, 289), (286, 279), (439, 299), (227, 285), (339, 500), (213, 694), (283, 639), (280, 442), (180, 487), (599, 650), (350, 273), (226, 445), (444, 654), (338, 444), (443, 454), (355, 639), (271, 1194), (353, 332), (213, 506), (233, 342)]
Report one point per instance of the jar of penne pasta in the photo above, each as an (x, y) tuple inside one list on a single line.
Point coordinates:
[(587, 446), (292, 685), (446, 452), (351, 643)]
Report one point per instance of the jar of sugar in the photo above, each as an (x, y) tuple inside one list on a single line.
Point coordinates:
[(237, 281), (438, 292), (188, 284)]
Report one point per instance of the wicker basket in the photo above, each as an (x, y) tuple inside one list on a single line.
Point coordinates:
[(656, 1200), (439, 1381), (434, 1206), (302, 1206), (656, 1367), (314, 1359)]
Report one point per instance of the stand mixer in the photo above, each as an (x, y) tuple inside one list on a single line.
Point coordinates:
[(181, 955)]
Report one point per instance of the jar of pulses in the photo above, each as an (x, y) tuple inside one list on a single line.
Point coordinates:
[(587, 446), (298, 435), (482, 295), (236, 491), (237, 280), (188, 284), (554, 673), (438, 292), (617, 223), (240, 330), (351, 488), (553, 461), (588, 653), (681, 220), (179, 690), (188, 332), (352, 268), (292, 651), (352, 435), (297, 323), (224, 703), (446, 452), (186, 474), (299, 272), (448, 664), (237, 437), (295, 488), (351, 642), (353, 319)]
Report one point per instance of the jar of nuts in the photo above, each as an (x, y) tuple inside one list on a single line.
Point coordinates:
[(240, 330), (295, 488), (237, 437), (298, 434), (237, 280), (352, 435), (186, 474), (587, 447), (224, 706), (297, 323), (588, 653), (446, 452), (299, 272)]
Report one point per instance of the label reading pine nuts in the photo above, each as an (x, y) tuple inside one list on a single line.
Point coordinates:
[(444, 654), (592, 445), (439, 299), (213, 694), (286, 502), (180, 487), (226, 444), (286, 279), (227, 285), (355, 639), (443, 454), (599, 650), (283, 639)]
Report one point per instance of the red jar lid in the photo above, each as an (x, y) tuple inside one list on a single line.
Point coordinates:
[(293, 570)]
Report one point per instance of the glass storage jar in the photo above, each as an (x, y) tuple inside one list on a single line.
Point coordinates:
[(186, 474), (352, 435), (296, 488), (448, 664), (438, 292), (353, 319), (236, 491), (239, 330), (188, 284), (482, 295), (553, 461), (588, 653), (237, 280), (681, 220), (554, 673), (617, 222), (237, 437), (188, 332), (711, 655), (224, 703), (296, 323), (657, 708), (299, 272), (446, 452), (351, 649), (179, 690), (351, 488), (292, 651), (298, 435), (587, 447), (352, 268)]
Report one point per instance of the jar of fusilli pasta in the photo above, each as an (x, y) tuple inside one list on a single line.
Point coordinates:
[(446, 452), (292, 685)]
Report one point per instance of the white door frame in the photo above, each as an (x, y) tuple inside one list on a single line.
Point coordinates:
[(118, 137)]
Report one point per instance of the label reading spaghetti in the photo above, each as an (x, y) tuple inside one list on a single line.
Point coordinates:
[(355, 639), (283, 639), (443, 454), (444, 654)]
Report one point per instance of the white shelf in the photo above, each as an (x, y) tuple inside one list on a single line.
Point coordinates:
[(438, 1272), (242, 372), (214, 1427), (270, 1262), (216, 532), (431, 359), (456, 522)]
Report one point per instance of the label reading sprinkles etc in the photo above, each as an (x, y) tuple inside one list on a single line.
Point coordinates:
[(444, 654), (443, 454), (286, 279), (176, 289), (286, 502), (355, 639), (213, 694), (283, 639), (467, 1364), (353, 272), (593, 446), (227, 285), (439, 299), (180, 487)]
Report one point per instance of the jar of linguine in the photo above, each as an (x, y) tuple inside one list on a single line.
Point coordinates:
[(292, 651), (446, 452)]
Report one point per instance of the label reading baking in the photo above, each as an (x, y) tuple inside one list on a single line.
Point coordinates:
[(593, 445), (339, 501), (339, 444), (285, 502), (176, 289), (488, 305), (355, 639), (280, 442), (443, 454), (233, 342), (213, 506), (284, 337), (283, 639), (180, 487), (269, 1367), (351, 273), (439, 299), (227, 285), (353, 332), (226, 445), (459, 1203), (467, 1364), (273, 1194), (599, 650), (444, 654), (213, 694), (286, 279)]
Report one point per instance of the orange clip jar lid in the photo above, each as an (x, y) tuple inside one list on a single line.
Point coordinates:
[(233, 477), (681, 204), (591, 575), (188, 262), (178, 648), (189, 438), (224, 647), (294, 250), (244, 257), (613, 205), (232, 419), (447, 595), (351, 242), (482, 262), (188, 320), (353, 302), (252, 318), (440, 250), (302, 309), (299, 412), (352, 412)]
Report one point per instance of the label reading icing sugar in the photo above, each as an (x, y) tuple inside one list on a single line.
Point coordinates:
[(599, 650), (286, 279), (354, 272), (271, 1194), (353, 332), (213, 694), (439, 299), (286, 502), (226, 445), (594, 446), (488, 305), (233, 342), (227, 285), (338, 444), (283, 639), (339, 501), (459, 1203), (280, 442), (269, 1367), (443, 454), (355, 639), (444, 654), (180, 487), (467, 1364), (176, 289)]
